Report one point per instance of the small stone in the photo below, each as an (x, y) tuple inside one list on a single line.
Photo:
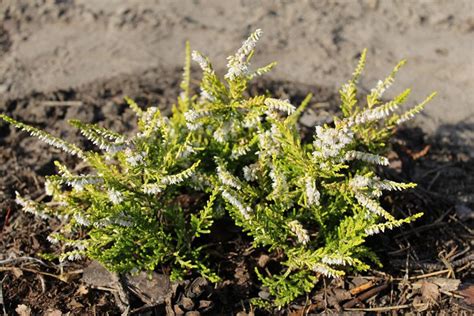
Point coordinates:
[(205, 305), (193, 313), (263, 260), (151, 289), (187, 303), (309, 118), (177, 310), (196, 288), (96, 275), (264, 295), (464, 212)]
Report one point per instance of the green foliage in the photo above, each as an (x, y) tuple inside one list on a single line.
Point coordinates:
[(316, 203)]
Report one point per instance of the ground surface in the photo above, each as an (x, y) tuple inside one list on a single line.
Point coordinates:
[(95, 52)]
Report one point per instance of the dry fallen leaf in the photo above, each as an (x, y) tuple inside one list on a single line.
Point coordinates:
[(23, 310), (53, 312), (446, 284), (17, 272), (82, 290), (468, 294), (429, 292)]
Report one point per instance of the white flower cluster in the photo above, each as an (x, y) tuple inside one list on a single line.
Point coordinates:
[(123, 220), (239, 151), (114, 147), (370, 158), (199, 181), (237, 65), (337, 260), (192, 115), (180, 177), (81, 220), (279, 184), (78, 244), (244, 210), (280, 105), (252, 119), (149, 114), (104, 141), (372, 115), (30, 206), (226, 178), (324, 270), (251, 172), (312, 193), (206, 95), (49, 187), (116, 197), (72, 256), (78, 182), (375, 229), (301, 233), (53, 141), (359, 182), (330, 141), (388, 185), (379, 89), (347, 88), (372, 205), (152, 188), (53, 238), (202, 61), (186, 151), (221, 134), (134, 159), (269, 146)]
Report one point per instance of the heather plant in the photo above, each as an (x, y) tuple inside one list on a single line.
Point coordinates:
[(231, 154)]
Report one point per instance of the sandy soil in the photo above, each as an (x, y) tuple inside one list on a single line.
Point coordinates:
[(48, 45)]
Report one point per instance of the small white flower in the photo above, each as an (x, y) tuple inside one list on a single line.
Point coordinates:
[(244, 210), (152, 188), (359, 182), (81, 220), (251, 172), (202, 61), (324, 270), (49, 187), (312, 193), (280, 105), (207, 96), (299, 231), (134, 159), (330, 141), (237, 65), (52, 239), (74, 256), (116, 197), (370, 158), (226, 178)]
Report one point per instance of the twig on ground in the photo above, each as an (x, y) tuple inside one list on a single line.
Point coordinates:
[(362, 288), (62, 277), (61, 103), (26, 258), (384, 309), (2, 301), (365, 296)]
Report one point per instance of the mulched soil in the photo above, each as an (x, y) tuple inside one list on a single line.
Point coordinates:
[(427, 266)]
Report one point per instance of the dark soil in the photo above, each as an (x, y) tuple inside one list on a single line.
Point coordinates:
[(440, 243)]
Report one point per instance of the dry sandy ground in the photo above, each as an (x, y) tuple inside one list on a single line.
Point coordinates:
[(51, 45)]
